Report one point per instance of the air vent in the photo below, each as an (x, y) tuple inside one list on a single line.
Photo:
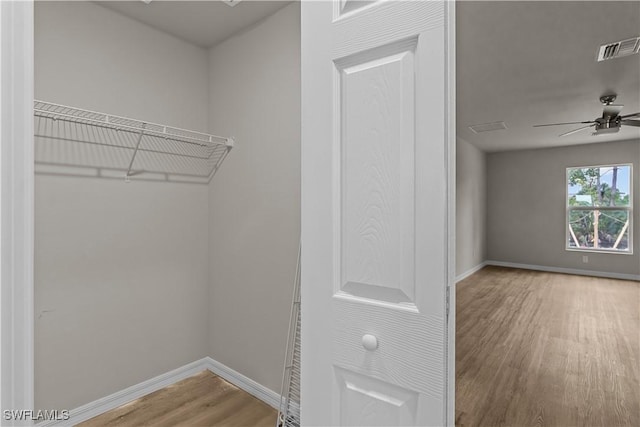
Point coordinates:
[(619, 49), (488, 127)]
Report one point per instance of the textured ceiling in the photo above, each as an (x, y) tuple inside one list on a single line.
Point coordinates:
[(529, 63), (203, 23)]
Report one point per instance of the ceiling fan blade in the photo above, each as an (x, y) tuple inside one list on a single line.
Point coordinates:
[(635, 123), (626, 116), (576, 130), (568, 123), (612, 110)]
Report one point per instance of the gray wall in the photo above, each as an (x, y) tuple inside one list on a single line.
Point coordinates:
[(471, 213), (526, 206), (121, 278), (255, 197)]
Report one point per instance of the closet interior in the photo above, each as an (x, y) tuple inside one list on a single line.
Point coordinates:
[(167, 193)]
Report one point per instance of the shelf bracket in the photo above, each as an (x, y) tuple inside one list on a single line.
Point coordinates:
[(127, 177)]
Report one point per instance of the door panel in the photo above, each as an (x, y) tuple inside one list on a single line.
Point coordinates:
[(346, 6), (377, 119), (374, 213), (366, 401), (409, 349)]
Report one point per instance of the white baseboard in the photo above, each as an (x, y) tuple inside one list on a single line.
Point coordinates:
[(263, 393), (469, 272), (105, 404), (576, 271)]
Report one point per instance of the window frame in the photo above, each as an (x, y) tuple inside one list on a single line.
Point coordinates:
[(569, 208)]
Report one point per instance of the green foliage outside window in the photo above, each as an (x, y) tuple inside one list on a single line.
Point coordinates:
[(599, 207)]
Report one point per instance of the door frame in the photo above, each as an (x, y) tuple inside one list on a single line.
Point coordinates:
[(16, 206), (450, 99)]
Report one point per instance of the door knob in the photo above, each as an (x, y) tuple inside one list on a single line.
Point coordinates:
[(370, 342)]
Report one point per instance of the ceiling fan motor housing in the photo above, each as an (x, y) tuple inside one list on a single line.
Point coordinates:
[(607, 126)]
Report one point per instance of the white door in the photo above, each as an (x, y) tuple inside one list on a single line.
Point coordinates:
[(377, 115)]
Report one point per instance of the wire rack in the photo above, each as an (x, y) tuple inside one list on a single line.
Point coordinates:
[(77, 142), (289, 413)]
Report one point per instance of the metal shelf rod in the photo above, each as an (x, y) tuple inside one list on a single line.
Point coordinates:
[(102, 144), (125, 128), (109, 119), (156, 149)]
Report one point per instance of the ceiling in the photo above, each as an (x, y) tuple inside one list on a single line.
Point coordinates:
[(523, 63), (203, 23), (528, 63)]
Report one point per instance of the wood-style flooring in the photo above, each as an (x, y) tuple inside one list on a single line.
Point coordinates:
[(545, 349), (202, 400)]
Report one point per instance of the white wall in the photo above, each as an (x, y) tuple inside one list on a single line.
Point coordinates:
[(121, 276), (526, 204), (255, 197), (471, 193)]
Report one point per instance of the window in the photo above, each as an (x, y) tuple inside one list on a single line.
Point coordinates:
[(599, 208)]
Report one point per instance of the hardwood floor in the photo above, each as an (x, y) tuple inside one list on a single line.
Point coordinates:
[(546, 349), (532, 349), (202, 400)]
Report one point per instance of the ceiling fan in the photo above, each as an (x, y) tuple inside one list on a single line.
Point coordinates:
[(610, 122)]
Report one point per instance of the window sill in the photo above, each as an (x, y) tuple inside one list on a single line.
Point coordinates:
[(600, 251)]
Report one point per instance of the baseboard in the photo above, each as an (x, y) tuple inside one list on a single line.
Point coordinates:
[(263, 393), (576, 271), (470, 271), (100, 406), (105, 404)]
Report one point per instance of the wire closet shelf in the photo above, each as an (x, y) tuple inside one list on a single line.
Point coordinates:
[(76, 142), (289, 412)]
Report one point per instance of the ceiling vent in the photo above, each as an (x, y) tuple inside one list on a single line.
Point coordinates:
[(619, 49), (488, 127)]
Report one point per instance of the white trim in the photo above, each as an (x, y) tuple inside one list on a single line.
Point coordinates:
[(117, 399), (16, 206), (263, 393), (580, 272), (472, 270), (601, 250), (450, 168)]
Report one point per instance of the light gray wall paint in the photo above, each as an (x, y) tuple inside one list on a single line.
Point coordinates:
[(471, 213), (91, 57), (255, 197), (526, 206), (121, 278)]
